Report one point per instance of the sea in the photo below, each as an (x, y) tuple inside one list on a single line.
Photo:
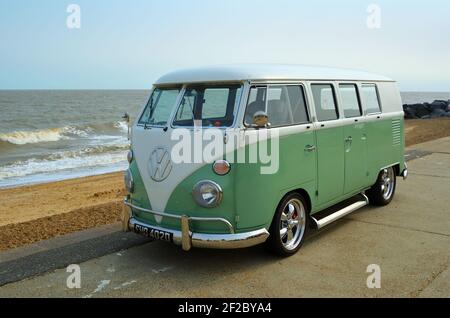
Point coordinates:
[(49, 135)]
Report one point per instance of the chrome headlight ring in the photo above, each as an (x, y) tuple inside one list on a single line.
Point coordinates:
[(207, 194)]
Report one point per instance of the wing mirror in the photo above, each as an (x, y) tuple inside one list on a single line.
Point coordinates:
[(126, 117), (260, 119)]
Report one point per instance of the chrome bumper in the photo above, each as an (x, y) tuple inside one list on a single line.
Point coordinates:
[(188, 239), (405, 172)]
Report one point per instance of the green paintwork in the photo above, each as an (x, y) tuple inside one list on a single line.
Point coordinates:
[(258, 195), (181, 202), (355, 156), (330, 164), (250, 198)]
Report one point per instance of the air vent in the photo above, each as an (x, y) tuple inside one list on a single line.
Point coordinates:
[(396, 132)]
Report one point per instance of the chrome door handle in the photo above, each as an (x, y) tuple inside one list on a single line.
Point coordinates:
[(349, 139), (310, 148)]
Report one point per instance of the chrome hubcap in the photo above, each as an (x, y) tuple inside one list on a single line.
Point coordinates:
[(292, 224), (387, 183)]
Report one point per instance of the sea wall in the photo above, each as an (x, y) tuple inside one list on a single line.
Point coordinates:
[(438, 108)]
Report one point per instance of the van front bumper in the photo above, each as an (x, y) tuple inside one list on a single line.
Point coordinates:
[(188, 239)]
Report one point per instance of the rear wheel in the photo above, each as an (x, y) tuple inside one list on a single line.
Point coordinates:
[(287, 231), (383, 190)]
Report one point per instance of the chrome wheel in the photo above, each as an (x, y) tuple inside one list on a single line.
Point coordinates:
[(292, 224), (387, 183)]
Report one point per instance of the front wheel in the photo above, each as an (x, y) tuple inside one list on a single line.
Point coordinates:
[(383, 190), (287, 231)]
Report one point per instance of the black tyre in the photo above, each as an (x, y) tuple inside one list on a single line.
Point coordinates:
[(383, 190), (289, 225)]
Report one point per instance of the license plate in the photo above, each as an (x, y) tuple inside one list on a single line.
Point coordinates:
[(153, 233)]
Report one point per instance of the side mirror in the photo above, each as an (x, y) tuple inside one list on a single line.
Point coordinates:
[(126, 117), (260, 119)]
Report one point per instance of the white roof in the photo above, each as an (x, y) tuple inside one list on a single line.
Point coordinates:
[(244, 72)]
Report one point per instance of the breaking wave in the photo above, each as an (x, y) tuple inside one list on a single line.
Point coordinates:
[(122, 125), (89, 157), (64, 133), (33, 137)]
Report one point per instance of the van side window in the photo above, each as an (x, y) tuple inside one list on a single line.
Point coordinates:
[(284, 104), (325, 102), (370, 94), (350, 100)]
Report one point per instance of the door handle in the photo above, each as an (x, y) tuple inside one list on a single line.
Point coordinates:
[(349, 139), (310, 148)]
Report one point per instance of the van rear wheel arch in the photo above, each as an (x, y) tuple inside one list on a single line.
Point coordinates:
[(383, 190)]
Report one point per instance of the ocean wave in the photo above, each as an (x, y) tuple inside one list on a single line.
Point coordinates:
[(87, 151), (64, 161), (64, 133), (43, 135), (122, 125), (32, 137)]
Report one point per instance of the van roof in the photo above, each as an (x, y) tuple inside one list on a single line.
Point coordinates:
[(244, 72)]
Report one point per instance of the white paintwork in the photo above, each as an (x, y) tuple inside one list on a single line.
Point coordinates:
[(250, 72), (391, 100), (144, 142)]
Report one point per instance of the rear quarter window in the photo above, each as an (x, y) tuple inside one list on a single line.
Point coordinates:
[(371, 98), (350, 100)]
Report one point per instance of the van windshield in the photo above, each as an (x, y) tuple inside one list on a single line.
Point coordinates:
[(209, 106), (159, 107)]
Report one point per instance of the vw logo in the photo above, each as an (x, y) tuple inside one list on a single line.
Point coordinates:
[(159, 165)]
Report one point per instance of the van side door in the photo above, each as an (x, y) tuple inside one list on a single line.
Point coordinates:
[(286, 107), (330, 148), (355, 139)]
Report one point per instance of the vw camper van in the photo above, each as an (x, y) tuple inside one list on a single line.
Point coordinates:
[(333, 142)]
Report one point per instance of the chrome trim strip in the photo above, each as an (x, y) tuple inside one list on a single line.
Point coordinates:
[(341, 213), (179, 217), (215, 241)]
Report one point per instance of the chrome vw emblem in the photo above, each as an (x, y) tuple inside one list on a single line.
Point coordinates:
[(159, 165)]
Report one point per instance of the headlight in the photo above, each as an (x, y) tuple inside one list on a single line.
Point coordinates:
[(207, 194), (129, 183), (130, 156)]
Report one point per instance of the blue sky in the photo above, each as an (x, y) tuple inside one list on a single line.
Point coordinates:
[(129, 44)]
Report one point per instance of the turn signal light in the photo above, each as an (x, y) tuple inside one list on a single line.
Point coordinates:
[(221, 167)]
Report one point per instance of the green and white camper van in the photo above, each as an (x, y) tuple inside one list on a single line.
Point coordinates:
[(334, 142)]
